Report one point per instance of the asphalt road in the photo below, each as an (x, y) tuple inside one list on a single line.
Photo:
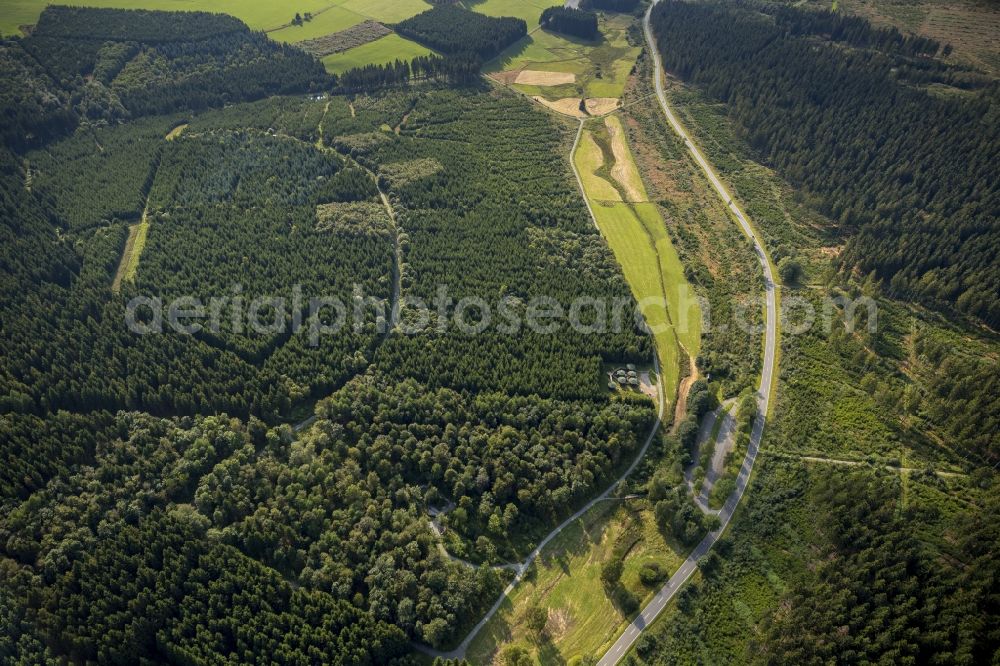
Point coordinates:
[(676, 582)]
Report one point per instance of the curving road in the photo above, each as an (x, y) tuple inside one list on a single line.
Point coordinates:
[(522, 568), (666, 593)]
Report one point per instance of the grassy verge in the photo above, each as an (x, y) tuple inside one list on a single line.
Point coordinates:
[(130, 257), (581, 613), (630, 243)]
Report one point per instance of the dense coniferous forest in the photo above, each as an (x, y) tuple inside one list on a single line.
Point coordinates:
[(99, 173), (920, 203), (151, 507), (231, 495), (837, 571), (455, 30), (86, 63), (573, 22), (454, 69), (447, 187)]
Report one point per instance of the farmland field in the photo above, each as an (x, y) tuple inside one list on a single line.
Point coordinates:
[(258, 14), (329, 21), (329, 17), (529, 10)]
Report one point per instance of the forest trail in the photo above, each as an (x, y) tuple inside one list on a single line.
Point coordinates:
[(397, 264), (860, 463), (680, 409)]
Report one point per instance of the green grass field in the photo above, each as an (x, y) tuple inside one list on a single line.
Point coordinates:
[(330, 16), (566, 584), (386, 49), (685, 313), (331, 20), (601, 67), (258, 14), (529, 10), (630, 243), (637, 235)]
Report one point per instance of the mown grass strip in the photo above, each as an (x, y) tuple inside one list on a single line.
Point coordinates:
[(129, 264)]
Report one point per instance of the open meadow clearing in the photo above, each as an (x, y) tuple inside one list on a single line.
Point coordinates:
[(569, 106), (331, 20), (529, 10), (531, 77), (590, 161), (137, 234), (631, 245), (636, 232), (624, 171), (600, 67), (387, 49), (581, 613), (598, 106)]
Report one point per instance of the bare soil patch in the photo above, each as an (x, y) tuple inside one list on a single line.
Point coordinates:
[(569, 106), (533, 77), (507, 77), (558, 623), (598, 106)]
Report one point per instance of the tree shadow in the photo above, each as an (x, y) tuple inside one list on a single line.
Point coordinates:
[(622, 599), (548, 653)]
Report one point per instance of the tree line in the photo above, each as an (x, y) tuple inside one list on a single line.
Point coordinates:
[(453, 30), (461, 69), (573, 22)]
